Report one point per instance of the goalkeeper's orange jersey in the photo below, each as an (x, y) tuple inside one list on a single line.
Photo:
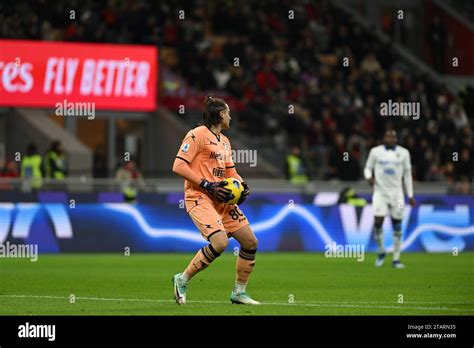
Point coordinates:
[(208, 155)]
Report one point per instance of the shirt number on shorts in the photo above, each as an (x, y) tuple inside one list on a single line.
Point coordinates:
[(235, 213)]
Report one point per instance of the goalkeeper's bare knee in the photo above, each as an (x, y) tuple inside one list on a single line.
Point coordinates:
[(250, 243), (219, 241)]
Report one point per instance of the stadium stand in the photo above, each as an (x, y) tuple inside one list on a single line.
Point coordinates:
[(281, 63)]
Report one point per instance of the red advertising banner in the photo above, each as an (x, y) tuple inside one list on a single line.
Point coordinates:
[(113, 77)]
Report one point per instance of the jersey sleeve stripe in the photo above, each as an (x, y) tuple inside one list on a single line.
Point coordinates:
[(184, 159)]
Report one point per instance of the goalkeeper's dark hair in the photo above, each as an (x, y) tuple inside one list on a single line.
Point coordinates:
[(211, 115)]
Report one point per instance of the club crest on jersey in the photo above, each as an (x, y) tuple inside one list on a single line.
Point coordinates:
[(226, 146), (185, 148)]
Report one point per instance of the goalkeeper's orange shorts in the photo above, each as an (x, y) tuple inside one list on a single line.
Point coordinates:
[(210, 217)]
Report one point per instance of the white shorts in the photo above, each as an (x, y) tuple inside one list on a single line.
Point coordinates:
[(384, 203)]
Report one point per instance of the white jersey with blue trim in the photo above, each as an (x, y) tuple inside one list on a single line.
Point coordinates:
[(390, 166)]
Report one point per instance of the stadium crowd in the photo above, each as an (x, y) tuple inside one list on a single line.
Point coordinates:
[(307, 73)]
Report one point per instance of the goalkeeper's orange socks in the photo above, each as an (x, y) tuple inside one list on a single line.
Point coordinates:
[(244, 267), (200, 261), (204, 257)]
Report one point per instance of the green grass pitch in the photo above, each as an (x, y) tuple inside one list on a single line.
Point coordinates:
[(140, 284)]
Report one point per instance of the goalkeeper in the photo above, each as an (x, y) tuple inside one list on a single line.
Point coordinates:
[(204, 161)]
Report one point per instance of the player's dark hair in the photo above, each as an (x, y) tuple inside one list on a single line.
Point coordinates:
[(211, 115)]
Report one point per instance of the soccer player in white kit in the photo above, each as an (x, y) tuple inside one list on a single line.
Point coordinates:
[(386, 166)]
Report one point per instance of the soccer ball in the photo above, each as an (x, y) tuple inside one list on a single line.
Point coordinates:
[(236, 187)]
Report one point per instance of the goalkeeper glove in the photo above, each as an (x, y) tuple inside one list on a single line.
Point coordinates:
[(217, 190), (245, 193)]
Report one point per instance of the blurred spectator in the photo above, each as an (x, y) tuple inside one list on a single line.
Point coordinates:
[(221, 75), (55, 162), (463, 186), (349, 196), (434, 173), (343, 164), (316, 147), (130, 179), (295, 168), (464, 166), (449, 172), (8, 169), (370, 64), (100, 162), (32, 169)]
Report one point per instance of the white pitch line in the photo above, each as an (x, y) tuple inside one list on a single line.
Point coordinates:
[(210, 301), (341, 304), (86, 298), (393, 302)]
